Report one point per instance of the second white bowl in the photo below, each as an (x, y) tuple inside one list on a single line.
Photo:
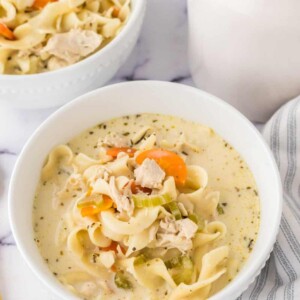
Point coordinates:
[(57, 87)]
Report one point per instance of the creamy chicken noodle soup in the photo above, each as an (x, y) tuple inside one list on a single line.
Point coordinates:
[(43, 35), (146, 207)]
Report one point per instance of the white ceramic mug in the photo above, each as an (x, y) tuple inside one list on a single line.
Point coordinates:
[(246, 52)]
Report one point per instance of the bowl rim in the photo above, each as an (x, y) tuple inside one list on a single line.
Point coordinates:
[(137, 9), (239, 284)]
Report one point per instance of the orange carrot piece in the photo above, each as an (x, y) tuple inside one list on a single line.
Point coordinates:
[(169, 161), (40, 4), (113, 269), (115, 151), (135, 189), (113, 247), (115, 12), (6, 32), (95, 209)]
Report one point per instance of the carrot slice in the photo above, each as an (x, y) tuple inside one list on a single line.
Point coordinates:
[(115, 151), (40, 4), (113, 247), (93, 209), (169, 161), (115, 12), (90, 210), (114, 269), (135, 189), (6, 32)]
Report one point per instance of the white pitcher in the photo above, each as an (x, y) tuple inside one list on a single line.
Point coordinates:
[(247, 52)]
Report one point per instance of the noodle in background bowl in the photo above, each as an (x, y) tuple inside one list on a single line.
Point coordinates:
[(54, 88), (152, 97)]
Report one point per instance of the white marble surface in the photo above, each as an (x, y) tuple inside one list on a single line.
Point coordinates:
[(161, 53)]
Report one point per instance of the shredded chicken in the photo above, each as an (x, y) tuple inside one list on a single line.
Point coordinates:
[(149, 174), (95, 172), (55, 63), (176, 234), (123, 201), (73, 45)]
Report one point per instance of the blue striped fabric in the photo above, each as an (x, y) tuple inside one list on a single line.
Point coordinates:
[(280, 278)]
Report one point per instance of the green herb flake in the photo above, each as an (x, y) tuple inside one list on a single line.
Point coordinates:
[(220, 210), (250, 244), (141, 259), (122, 282)]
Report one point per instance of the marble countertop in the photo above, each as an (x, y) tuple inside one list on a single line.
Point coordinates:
[(161, 53)]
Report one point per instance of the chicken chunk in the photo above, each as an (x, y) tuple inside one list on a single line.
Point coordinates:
[(149, 174), (187, 228), (73, 45), (55, 63), (123, 201), (176, 234)]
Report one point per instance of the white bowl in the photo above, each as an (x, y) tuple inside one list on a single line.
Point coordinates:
[(154, 97), (57, 87)]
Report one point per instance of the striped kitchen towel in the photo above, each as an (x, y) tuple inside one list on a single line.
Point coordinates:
[(280, 278)]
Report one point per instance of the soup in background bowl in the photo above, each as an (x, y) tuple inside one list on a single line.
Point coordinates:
[(213, 215), (86, 70), (43, 35)]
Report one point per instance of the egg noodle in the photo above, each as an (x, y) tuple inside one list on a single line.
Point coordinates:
[(43, 35)]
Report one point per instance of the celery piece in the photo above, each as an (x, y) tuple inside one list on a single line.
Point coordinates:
[(194, 218), (141, 259), (198, 220), (185, 272), (174, 209), (181, 269), (173, 262), (141, 201), (122, 282)]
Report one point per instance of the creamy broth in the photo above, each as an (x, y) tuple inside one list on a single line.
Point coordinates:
[(238, 208)]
